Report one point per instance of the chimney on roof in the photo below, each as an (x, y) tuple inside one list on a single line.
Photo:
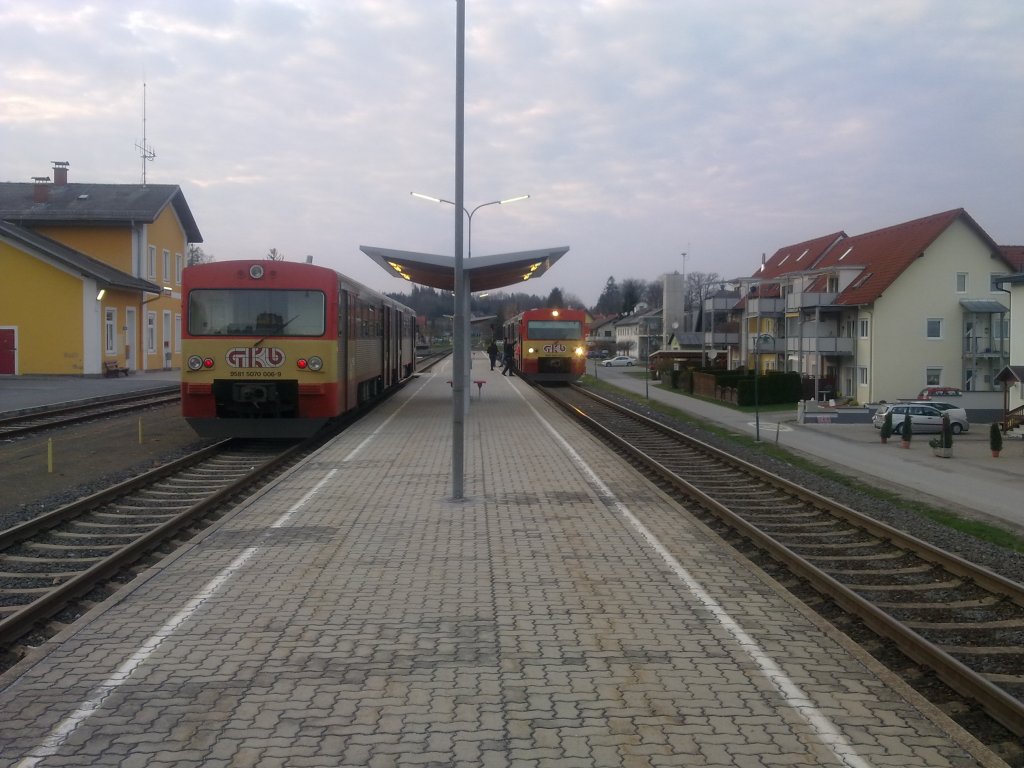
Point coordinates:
[(60, 173), (40, 189)]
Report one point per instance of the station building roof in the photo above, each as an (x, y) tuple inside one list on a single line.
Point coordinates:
[(485, 273), (104, 274)]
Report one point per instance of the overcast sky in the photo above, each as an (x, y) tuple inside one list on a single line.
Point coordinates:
[(640, 128)]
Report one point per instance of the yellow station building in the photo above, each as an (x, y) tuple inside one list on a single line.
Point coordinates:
[(91, 275)]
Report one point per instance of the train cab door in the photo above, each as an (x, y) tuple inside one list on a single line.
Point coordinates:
[(388, 363), (344, 374)]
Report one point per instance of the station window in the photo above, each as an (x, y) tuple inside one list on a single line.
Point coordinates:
[(934, 328), (151, 332), (110, 330), (151, 263)]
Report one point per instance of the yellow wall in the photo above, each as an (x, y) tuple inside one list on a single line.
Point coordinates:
[(164, 233), (114, 246), (109, 245), (49, 318)]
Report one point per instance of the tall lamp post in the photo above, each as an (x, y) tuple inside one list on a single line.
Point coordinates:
[(758, 340)]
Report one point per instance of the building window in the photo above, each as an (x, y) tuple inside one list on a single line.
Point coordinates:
[(167, 266), (177, 333), (933, 377), (934, 328), (833, 284), (110, 330), (167, 337), (151, 263), (862, 375), (994, 279), (961, 282), (151, 332), (177, 269), (863, 327)]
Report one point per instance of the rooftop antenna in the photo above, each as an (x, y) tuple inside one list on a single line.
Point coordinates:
[(146, 152)]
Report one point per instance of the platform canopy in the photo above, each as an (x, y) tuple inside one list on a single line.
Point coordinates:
[(485, 273)]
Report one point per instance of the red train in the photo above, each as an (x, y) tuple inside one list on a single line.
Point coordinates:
[(276, 349), (550, 344)]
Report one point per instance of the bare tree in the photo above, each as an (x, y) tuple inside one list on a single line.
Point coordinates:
[(274, 255), (196, 255)]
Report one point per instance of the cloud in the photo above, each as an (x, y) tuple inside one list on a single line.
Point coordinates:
[(639, 129)]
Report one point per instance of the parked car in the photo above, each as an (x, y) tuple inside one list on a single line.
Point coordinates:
[(930, 393), (956, 413), (925, 417), (619, 360)]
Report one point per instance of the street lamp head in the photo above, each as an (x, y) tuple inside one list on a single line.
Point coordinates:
[(513, 199)]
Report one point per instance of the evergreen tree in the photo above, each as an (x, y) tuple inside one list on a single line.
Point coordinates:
[(610, 300), (632, 291)]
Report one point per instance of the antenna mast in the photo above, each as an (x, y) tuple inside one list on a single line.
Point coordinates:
[(146, 152)]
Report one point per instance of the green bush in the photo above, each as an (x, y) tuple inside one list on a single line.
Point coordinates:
[(995, 437)]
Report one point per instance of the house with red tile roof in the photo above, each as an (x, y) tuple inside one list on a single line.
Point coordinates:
[(881, 315)]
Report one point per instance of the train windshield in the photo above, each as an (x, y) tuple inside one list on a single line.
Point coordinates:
[(254, 312), (554, 329)]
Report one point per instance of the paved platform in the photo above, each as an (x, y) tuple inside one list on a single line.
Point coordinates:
[(563, 613), (20, 394)]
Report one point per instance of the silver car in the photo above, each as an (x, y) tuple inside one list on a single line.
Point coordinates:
[(925, 417), (957, 415), (620, 360)]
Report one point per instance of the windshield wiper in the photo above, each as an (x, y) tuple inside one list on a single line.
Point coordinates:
[(277, 329)]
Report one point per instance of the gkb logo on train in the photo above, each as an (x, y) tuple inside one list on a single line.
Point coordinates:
[(555, 348), (254, 357)]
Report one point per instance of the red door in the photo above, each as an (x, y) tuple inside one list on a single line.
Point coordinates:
[(7, 350)]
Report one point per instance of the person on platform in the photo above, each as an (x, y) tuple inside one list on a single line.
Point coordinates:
[(509, 359), (492, 352)]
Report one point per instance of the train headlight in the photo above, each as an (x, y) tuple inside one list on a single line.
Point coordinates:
[(579, 351), (315, 363), (531, 350), (195, 363)]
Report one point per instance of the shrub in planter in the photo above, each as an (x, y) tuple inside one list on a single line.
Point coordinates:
[(906, 431), (995, 439), (887, 426), (943, 443)]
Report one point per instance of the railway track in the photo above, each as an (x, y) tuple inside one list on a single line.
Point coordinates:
[(50, 562), (51, 417), (960, 620)]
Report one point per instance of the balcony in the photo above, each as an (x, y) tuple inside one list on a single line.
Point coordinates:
[(986, 347), (757, 306), (820, 345), (802, 300), (721, 339)]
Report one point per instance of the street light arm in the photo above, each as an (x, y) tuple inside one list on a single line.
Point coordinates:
[(468, 213), (432, 199)]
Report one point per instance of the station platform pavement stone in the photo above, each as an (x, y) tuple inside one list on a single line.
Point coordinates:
[(564, 612)]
